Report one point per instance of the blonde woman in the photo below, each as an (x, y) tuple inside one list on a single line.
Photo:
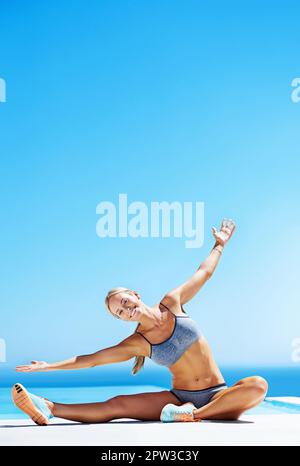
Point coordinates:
[(167, 335)]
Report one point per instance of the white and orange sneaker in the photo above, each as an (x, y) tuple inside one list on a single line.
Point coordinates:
[(33, 405), (173, 413)]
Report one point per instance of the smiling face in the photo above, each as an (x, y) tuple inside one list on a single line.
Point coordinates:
[(126, 305)]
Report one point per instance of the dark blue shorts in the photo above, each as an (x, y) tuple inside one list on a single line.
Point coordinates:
[(198, 397)]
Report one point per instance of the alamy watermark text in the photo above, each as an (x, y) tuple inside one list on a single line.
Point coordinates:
[(2, 350), (158, 220), (295, 96), (2, 90), (296, 350)]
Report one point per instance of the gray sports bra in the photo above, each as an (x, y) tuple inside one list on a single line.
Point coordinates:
[(185, 333)]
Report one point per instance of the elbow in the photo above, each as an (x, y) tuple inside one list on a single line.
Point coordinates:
[(208, 273), (85, 362), (91, 364)]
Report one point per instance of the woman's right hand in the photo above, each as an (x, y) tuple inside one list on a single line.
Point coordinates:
[(225, 233), (35, 366)]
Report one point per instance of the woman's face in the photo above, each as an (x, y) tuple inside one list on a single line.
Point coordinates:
[(126, 305)]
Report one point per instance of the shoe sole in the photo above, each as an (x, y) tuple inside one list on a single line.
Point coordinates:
[(23, 401)]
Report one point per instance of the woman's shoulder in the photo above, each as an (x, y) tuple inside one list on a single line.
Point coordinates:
[(172, 303), (139, 342)]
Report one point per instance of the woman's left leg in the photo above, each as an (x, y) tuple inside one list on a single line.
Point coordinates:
[(141, 406), (230, 403)]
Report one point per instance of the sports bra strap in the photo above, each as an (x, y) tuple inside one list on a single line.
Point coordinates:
[(144, 337), (165, 307), (173, 312)]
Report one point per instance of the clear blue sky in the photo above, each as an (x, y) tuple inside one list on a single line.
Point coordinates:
[(162, 100)]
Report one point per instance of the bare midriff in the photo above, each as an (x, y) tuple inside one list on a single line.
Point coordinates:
[(196, 369)]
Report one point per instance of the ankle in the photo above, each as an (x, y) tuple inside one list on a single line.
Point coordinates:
[(51, 406)]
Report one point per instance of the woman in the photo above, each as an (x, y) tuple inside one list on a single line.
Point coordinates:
[(171, 338)]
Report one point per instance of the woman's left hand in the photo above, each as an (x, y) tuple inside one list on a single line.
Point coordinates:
[(225, 233)]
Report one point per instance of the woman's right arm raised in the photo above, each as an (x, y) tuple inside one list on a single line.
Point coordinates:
[(123, 351)]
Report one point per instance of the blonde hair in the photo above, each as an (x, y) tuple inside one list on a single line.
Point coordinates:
[(139, 360)]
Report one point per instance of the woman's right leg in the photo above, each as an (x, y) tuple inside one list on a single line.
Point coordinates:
[(141, 406)]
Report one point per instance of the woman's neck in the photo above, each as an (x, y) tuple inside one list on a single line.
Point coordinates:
[(152, 317)]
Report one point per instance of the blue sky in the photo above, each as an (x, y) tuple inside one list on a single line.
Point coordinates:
[(164, 101)]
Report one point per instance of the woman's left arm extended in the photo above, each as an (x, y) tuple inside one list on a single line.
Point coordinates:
[(190, 288)]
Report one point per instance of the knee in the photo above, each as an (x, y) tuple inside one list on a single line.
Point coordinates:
[(257, 385), (116, 406), (117, 400)]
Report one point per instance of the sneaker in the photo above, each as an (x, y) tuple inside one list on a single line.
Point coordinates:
[(173, 413), (32, 405)]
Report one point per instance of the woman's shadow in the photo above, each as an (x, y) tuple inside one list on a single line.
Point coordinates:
[(126, 421)]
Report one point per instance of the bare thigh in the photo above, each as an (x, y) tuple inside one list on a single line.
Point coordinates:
[(142, 406), (233, 414), (229, 389)]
